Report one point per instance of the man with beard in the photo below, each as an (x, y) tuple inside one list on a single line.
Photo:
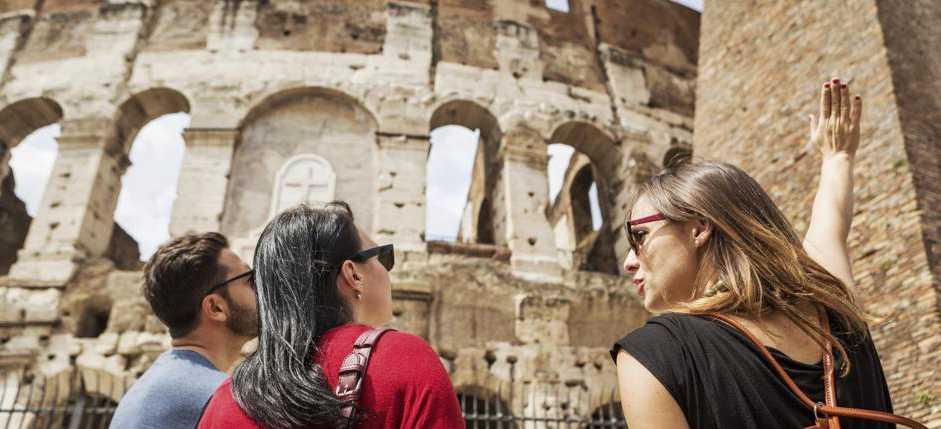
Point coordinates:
[(204, 293)]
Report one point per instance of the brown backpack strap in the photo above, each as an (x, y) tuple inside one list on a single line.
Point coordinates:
[(353, 371), (830, 410)]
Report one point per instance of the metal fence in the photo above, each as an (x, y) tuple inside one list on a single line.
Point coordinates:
[(79, 400), (551, 406), (72, 400)]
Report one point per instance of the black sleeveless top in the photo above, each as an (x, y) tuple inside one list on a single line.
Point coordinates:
[(720, 381)]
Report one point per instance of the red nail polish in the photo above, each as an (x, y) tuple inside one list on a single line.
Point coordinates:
[(826, 85), (843, 87)]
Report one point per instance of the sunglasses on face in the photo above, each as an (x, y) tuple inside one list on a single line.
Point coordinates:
[(385, 253), (636, 238), (248, 273)]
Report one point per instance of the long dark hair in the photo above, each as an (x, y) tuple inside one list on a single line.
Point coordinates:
[(296, 261)]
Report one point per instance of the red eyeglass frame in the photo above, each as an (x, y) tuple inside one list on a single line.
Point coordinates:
[(646, 219)]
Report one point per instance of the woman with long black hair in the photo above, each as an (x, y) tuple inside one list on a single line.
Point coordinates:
[(321, 283)]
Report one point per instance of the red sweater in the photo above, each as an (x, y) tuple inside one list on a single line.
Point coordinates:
[(405, 386)]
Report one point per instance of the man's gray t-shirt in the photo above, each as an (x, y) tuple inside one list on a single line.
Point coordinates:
[(171, 394)]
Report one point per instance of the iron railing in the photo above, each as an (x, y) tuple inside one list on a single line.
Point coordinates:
[(546, 406), (83, 400), (73, 400)]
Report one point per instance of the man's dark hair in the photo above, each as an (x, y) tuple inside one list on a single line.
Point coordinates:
[(177, 277)]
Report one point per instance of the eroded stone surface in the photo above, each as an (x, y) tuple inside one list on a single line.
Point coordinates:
[(359, 85)]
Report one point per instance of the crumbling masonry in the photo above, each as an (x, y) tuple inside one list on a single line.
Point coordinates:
[(310, 100)]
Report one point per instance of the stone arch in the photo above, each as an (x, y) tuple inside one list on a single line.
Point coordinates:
[(143, 107), (274, 99), (483, 209), (133, 115), (596, 249), (312, 121), (17, 121), (606, 415)]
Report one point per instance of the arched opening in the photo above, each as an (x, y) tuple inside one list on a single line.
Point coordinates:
[(92, 317), (150, 129), (463, 172), (450, 172), (580, 159), (28, 150), (609, 415), (484, 410), (302, 145)]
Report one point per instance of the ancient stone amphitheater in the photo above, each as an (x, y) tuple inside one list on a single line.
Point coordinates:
[(294, 101), (312, 100)]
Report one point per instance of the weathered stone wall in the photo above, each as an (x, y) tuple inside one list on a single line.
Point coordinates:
[(760, 69), (324, 124), (359, 84)]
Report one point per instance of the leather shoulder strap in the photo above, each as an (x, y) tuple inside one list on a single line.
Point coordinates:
[(830, 409), (353, 371)]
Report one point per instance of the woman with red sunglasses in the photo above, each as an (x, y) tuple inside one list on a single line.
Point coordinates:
[(707, 240)]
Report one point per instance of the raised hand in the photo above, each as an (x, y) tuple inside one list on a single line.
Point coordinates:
[(836, 129)]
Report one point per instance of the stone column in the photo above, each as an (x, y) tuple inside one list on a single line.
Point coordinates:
[(232, 26), (400, 209), (11, 26), (525, 197), (204, 178), (76, 216)]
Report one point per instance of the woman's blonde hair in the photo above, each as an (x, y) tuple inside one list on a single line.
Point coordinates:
[(753, 251)]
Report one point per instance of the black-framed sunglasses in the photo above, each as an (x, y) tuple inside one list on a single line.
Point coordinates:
[(216, 286), (385, 253)]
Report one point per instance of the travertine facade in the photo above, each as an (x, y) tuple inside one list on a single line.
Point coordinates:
[(280, 90), (759, 71)]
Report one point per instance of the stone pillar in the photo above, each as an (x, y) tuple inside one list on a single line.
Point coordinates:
[(888, 52), (525, 197), (204, 178), (11, 26), (232, 26), (76, 216), (408, 31), (400, 209)]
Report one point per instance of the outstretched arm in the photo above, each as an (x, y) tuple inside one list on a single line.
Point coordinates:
[(836, 133)]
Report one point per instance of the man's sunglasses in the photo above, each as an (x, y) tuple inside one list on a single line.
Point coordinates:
[(633, 238), (385, 253), (216, 287)]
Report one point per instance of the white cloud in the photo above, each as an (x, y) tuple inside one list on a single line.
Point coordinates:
[(31, 162), (149, 186), (450, 166)]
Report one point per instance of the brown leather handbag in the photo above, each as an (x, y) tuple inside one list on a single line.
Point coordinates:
[(826, 414), (353, 371)]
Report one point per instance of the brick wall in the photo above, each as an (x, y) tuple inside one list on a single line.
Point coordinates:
[(760, 67)]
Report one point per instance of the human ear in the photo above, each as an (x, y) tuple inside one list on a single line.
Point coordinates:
[(702, 230), (350, 280), (215, 308)]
